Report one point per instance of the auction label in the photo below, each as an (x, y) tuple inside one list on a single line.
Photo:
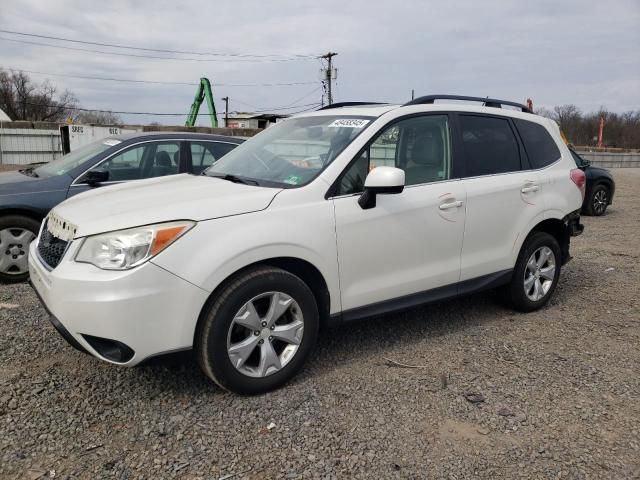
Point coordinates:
[(349, 123)]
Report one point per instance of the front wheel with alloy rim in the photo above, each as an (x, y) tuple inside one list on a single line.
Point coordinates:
[(536, 273), (16, 233), (256, 333), (599, 201)]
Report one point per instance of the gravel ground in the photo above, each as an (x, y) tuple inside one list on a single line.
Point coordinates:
[(552, 394)]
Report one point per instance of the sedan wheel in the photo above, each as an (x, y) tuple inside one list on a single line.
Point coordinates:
[(14, 245), (600, 202)]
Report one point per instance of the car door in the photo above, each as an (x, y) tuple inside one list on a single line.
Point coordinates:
[(137, 162), (204, 154), (409, 243), (504, 196)]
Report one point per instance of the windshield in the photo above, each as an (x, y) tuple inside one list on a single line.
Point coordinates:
[(292, 152), (75, 158)]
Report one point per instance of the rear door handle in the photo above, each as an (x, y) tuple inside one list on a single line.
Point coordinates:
[(530, 188), (448, 205)]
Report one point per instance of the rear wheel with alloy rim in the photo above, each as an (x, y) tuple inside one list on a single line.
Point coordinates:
[(536, 273), (257, 332), (599, 201), (16, 233)]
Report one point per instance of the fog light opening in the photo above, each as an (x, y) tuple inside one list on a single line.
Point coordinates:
[(110, 349)]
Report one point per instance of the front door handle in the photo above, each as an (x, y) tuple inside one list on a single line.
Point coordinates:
[(530, 189), (448, 205)]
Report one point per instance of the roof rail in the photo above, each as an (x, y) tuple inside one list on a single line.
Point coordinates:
[(348, 104), (488, 102)]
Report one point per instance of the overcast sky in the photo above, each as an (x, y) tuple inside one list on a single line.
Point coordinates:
[(585, 52)]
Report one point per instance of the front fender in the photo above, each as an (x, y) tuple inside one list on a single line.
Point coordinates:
[(215, 249)]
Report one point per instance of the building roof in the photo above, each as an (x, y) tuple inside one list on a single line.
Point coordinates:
[(256, 116), (4, 117)]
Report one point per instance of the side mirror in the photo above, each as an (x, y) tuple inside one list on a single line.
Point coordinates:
[(381, 181), (95, 177)]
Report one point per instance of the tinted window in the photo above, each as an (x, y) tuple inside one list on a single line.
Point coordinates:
[(147, 160), (540, 147), (418, 145), (489, 145), (204, 154)]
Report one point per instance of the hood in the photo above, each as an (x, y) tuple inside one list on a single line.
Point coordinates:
[(15, 182), (175, 197)]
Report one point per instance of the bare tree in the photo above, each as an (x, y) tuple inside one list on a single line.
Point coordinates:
[(23, 99), (96, 118)]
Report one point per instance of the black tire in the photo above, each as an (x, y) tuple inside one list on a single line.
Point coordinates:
[(210, 343), (16, 222), (598, 201), (514, 292)]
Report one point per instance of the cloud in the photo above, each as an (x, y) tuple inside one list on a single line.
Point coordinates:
[(580, 52)]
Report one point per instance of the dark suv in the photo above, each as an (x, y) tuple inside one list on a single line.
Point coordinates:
[(27, 195), (600, 187)]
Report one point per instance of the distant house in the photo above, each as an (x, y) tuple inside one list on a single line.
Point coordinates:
[(252, 120), (4, 117)]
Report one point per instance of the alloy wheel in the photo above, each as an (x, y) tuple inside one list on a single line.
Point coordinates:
[(14, 247), (265, 334), (539, 273), (600, 202)]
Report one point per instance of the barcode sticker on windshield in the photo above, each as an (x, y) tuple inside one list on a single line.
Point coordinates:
[(348, 123)]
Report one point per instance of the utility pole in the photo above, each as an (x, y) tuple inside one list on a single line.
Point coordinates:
[(329, 75), (226, 111)]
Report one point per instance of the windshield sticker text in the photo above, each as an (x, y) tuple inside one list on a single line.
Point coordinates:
[(348, 123)]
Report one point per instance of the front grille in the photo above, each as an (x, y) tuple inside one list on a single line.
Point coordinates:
[(50, 248)]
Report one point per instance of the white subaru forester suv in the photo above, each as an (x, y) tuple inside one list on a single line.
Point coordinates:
[(336, 215)]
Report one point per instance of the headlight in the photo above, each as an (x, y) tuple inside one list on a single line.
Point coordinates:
[(126, 249)]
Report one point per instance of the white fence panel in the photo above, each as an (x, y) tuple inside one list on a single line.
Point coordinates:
[(23, 146)]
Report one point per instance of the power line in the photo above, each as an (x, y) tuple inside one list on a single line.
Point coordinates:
[(292, 104), (121, 54), (80, 109), (158, 82), (157, 50)]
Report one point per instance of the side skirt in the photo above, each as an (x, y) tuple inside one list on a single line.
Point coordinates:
[(446, 292)]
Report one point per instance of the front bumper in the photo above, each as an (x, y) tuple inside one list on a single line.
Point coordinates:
[(147, 310)]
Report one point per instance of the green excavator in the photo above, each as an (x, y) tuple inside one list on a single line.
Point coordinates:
[(204, 91)]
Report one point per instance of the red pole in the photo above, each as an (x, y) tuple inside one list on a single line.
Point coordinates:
[(601, 133)]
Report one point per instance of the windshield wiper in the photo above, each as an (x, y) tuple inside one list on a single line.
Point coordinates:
[(29, 172), (235, 179)]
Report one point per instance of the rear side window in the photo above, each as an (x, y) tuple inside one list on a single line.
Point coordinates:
[(540, 147), (205, 154), (489, 145)]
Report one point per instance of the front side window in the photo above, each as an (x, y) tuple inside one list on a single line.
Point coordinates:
[(292, 152), (540, 147), (489, 145), (419, 145), (147, 160)]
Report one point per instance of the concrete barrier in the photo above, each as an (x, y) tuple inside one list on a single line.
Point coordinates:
[(611, 159)]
